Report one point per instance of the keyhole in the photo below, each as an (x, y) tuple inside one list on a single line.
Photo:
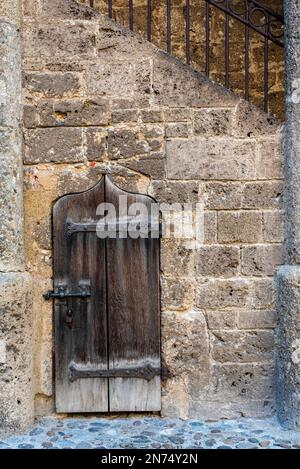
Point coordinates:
[(69, 318)]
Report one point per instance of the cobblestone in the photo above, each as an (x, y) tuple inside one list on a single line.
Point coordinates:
[(153, 433)]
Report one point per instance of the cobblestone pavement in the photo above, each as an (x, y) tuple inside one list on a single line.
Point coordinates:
[(153, 432)]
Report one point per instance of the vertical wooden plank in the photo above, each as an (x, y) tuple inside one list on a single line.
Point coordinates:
[(133, 312), (80, 324)]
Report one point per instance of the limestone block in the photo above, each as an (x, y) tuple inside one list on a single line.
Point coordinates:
[(52, 84), (177, 115), (11, 207), (175, 85), (186, 354), (16, 374), (151, 115), (265, 195), (30, 116), (116, 43), (177, 293), (212, 410), (242, 346), (242, 383), (249, 121), (262, 294), (288, 352), (126, 179), (175, 191), (261, 260), (270, 159), (223, 159), (175, 398), (119, 79), (154, 135), (222, 196), (11, 11), (10, 77), (176, 256), (239, 226), (43, 312), (68, 9), (38, 261), (70, 181), (56, 42), (252, 319), (217, 261), (213, 122), (220, 294), (125, 103), (124, 115), (124, 143), (221, 319), (44, 405), (56, 145), (40, 183), (210, 227), (74, 113), (152, 165), (185, 344), (30, 8), (273, 226), (152, 131), (96, 143), (178, 129), (40, 232)]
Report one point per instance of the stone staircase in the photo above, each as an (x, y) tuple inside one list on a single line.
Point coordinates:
[(215, 54)]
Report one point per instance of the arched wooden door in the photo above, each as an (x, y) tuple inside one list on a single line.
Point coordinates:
[(106, 306)]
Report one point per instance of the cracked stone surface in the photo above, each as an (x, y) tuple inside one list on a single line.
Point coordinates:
[(153, 433)]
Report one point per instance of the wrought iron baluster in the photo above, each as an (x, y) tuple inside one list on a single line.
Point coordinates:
[(266, 68), (227, 47), (149, 20), (169, 46), (207, 37), (187, 32), (110, 8), (247, 54), (131, 15)]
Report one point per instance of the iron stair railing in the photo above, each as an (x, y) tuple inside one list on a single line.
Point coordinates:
[(252, 14)]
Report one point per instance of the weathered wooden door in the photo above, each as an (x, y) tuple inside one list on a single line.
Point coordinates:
[(106, 304)]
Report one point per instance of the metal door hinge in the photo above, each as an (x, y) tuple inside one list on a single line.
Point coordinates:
[(147, 372), (115, 228)]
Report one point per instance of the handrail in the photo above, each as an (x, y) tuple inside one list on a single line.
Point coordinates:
[(253, 14), (246, 17)]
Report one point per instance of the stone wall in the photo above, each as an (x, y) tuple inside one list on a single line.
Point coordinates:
[(16, 324), (217, 42), (98, 98)]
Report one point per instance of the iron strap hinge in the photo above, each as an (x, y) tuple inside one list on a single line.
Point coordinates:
[(113, 228), (147, 372)]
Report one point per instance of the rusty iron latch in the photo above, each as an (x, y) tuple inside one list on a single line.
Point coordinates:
[(61, 292), (147, 372)]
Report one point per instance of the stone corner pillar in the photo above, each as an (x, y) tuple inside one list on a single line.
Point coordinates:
[(288, 276), (16, 322)]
